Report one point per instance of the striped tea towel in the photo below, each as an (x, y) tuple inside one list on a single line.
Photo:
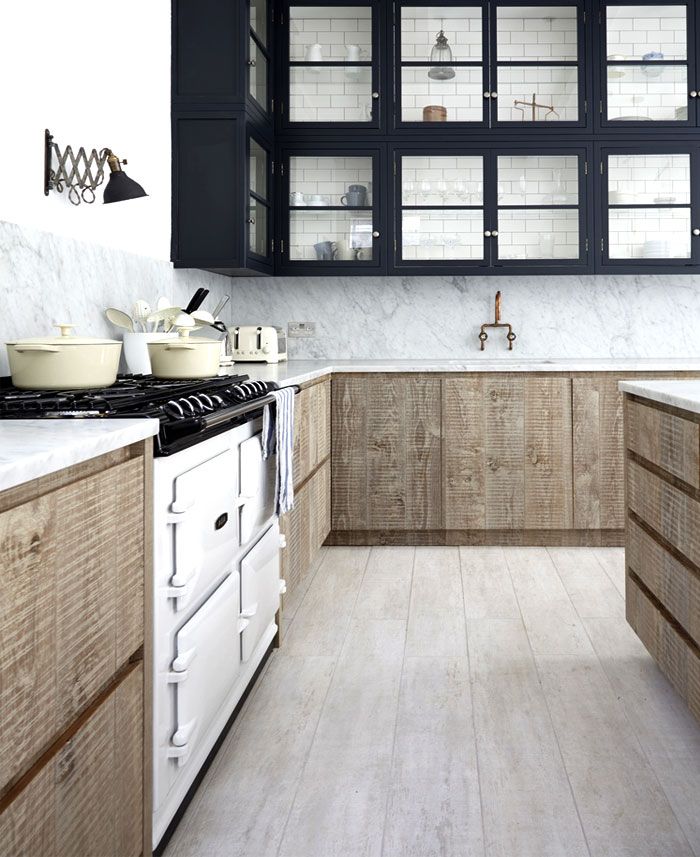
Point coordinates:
[(278, 436)]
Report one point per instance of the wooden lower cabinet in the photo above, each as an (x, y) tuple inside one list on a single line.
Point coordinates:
[(507, 453), (74, 560)]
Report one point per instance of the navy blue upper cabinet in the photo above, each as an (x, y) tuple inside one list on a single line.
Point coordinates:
[(507, 65), (649, 66), (330, 70)]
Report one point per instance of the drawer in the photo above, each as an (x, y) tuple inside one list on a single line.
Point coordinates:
[(678, 659), (670, 512), (668, 441), (675, 585), (90, 794), (71, 612), (312, 420)]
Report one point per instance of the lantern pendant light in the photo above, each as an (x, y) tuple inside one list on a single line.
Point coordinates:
[(441, 58)]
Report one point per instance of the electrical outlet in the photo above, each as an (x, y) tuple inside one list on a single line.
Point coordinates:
[(301, 329)]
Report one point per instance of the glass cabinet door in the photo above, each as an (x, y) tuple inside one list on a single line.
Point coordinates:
[(539, 212), (331, 65), (648, 198), (259, 55), (332, 209), (258, 199), (441, 209), (647, 74), (538, 69), (441, 64)]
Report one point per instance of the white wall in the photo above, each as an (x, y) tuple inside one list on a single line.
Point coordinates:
[(97, 75)]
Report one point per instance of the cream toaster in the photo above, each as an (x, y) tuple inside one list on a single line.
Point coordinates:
[(260, 343)]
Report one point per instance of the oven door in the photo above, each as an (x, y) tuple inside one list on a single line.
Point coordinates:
[(206, 666), (205, 518), (257, 488), (260, 589)]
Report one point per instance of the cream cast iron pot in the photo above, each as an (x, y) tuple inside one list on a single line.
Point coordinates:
[(64, 362), (185, 357)]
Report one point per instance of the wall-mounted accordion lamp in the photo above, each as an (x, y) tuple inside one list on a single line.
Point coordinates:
[(82, 174)]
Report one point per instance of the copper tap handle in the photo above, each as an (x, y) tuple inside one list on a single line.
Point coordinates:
[(498, 307)]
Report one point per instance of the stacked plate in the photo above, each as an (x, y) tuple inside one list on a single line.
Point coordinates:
[(656, 248)]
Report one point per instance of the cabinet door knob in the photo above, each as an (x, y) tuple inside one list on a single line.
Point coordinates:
[(693, 93), (494, 95), (251, 62), (251, 220), (487, 95), (487, 234), (375, 234), (375, 95), (696, 232), (494, 234)]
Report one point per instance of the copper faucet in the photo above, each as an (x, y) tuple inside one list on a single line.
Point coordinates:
[(510, 336)]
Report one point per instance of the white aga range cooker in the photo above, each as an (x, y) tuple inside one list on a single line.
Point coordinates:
[(216, 555)]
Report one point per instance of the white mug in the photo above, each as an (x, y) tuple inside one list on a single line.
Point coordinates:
[(343, 250), (314, 53), (353, 53), (296, 198)]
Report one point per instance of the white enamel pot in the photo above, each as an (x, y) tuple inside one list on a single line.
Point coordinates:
[(63, 362), (185, 357)]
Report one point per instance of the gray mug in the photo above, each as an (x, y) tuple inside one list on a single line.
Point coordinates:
[(325, 250), (356, 196)]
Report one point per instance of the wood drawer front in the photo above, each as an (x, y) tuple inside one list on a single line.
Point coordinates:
[(306, 526), (676, 587), (312, 429), (88, 799), (667, 510), (677, 659), (664, 439), (71, 575)]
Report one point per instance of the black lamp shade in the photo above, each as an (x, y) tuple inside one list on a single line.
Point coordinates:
[(120, 187)]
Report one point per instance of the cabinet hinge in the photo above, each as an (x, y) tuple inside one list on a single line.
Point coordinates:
[(584, 17), (395, 246), (586, 245), (282, 246), (585, 168), (272, 246), (272, 105), (601, 168), (281, 169), (600, 17), (394, 167), (602, 245), (585, 106), (600, 107)]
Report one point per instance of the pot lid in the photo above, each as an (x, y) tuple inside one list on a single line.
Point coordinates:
[(66, 338)]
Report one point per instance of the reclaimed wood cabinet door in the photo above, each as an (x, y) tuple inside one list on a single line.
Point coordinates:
[(386, 456), (599, 480), (306, 526), (507, 452), (312, 429)]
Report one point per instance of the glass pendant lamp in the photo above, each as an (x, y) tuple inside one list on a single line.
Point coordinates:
[(441, 57)]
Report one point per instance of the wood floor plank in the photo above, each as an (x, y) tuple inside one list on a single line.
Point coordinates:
[(244, 801), (436, 623), (487, 585), (340, 804), (384, 598), (623, 809), (552, 623), (528, 808), (434, 805), (590, 589)]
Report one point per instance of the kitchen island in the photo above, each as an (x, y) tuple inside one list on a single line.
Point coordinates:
[(662, 557)]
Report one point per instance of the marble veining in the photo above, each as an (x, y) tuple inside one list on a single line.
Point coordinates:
[(33, 448), (679, 394)]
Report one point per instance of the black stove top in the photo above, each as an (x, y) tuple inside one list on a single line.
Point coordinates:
[(188, 411)]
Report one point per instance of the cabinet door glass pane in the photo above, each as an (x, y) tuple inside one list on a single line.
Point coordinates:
[(330, 33), (442, 180), (538, 94), (258, 170), (649, 179), (633, 32), (257, 81), (651, 92), (258, 19), (457, 100), (533, 33), (330, 94), (461, 26), (532, 233), (257, 228), (330, 236), (538, 180), (330, 181), (442, 234), (649, 233)]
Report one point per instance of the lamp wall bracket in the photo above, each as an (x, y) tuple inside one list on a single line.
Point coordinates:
[(81, 173)]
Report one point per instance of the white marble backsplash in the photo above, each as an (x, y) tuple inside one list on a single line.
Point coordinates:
[(439, 317), (45, 278)]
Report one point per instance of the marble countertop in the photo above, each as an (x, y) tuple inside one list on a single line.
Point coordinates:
[(33, 448), (301, 371), (679, 394)]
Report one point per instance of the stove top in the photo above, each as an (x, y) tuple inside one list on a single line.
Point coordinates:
[(189, 411)]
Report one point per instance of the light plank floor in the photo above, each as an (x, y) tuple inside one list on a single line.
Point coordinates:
[(455, 702)]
